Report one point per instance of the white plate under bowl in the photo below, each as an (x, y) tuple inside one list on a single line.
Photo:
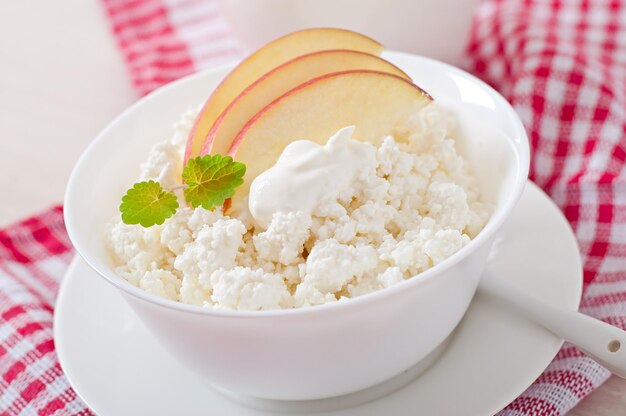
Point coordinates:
[(118, 368)]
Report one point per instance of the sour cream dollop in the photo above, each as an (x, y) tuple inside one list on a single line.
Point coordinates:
[(306, 175)]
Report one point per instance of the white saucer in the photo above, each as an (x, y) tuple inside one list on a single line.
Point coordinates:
[(117, 368)]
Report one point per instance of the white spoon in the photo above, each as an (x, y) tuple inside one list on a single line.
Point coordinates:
[(604, 343)]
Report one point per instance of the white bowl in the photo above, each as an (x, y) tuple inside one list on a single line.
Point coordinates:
[(326, 350)]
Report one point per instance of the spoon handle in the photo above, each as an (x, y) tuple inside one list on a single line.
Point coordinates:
[(605, 343)]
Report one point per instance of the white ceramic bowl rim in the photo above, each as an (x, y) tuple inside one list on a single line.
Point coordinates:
[(494, 223)]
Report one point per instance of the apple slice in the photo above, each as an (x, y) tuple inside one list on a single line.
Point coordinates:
[(263, 60), (279, 81), (375, 102)]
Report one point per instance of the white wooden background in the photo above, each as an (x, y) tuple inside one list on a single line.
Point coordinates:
[(61, 81)]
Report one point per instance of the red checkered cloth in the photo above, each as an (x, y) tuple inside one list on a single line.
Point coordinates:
[(34, 255), (562, 63)]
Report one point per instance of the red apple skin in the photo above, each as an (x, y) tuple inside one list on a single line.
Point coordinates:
[(263, 60), (375, 102), (282, 79), (240, 136)]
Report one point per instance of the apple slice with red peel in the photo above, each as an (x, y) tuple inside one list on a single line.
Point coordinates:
[(377, 103), (263, 60), (281, 80)]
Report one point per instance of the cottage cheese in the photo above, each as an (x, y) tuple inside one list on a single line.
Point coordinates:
[(409, 204)]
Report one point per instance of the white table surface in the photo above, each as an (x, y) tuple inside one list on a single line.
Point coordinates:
[(61, 80)]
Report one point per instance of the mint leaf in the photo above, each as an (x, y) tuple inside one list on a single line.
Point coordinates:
[(146, 203), (211, 180)]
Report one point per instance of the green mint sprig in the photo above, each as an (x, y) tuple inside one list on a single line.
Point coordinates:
[(146, 203), (208, 182), (211, 180)]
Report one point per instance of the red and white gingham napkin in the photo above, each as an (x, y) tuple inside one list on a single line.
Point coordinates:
[(34, 255), (163, 40), (561, 63)]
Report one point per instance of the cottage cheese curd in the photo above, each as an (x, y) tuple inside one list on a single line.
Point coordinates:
[(372, 215)]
